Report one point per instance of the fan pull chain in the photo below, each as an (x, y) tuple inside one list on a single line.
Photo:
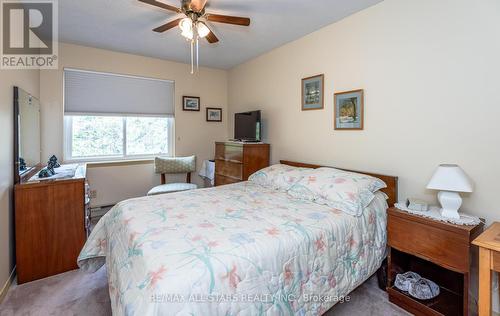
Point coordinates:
[(192, 56), (197, 55)]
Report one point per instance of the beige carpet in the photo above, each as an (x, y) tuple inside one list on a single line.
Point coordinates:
[(78, 293)]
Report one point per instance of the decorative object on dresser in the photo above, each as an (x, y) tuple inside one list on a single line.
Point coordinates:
[(169, 165), (435, 250), (49, 170), (190, 103), (313, 92), (52, 218), (214, 115), (417, 205), (348, 110), (22, 164), (53, 159), (489, 260), (450, 179), (236, 161)]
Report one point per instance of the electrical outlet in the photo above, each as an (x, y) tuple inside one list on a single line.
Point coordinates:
[(93, 194)]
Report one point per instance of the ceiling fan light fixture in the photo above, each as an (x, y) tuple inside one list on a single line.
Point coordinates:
[(186, 25), (194, 25), (188, 34), (202, 29)]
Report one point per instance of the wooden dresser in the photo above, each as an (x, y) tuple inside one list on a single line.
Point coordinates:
[(52, 218), (235, 162)]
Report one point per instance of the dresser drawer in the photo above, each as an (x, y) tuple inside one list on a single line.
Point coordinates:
[(221, 180), (229, 152), (229, 169), (446, 249)]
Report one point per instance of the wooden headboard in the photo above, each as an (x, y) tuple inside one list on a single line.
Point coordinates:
[(392, 182)]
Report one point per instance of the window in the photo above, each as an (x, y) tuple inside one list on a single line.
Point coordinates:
[(111, 116), (97, 137)]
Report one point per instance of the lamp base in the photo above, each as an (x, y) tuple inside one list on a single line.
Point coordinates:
[(450, 203)]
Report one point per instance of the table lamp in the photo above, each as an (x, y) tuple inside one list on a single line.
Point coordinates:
[(450, 179)]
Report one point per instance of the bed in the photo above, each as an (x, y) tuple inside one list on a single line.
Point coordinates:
[(239, 249)]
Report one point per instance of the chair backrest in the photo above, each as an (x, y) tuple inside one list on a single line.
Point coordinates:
[(164, 165)]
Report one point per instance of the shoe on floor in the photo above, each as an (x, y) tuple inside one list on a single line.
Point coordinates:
[(404, 280), (423, 289)]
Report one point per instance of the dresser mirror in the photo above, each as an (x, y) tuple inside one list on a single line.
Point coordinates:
[(26, 133)]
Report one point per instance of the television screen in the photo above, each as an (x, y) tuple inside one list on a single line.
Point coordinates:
[(247, 126)]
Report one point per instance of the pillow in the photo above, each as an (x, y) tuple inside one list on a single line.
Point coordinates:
[(278, 177), (346, 191)]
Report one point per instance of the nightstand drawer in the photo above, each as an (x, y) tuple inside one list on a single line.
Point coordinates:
[(442, 247)]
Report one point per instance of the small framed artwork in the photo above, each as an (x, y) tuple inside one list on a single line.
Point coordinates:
[(190, 103), (348, 110), (313, 92), (214, 115)]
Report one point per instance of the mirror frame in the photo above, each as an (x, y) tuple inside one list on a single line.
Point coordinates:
[(20, 178)]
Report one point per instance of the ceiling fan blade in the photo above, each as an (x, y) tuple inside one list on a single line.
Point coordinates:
[(211, 38), (161, 5), (228, 19), (167, 26), (198, 5)]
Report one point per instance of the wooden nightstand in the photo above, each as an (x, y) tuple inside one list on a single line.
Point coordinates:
[(437, 251), (489, 260)]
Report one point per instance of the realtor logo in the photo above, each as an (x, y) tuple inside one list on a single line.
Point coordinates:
[(29, 34)]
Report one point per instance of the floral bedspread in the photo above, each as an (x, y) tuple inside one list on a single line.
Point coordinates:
[(239, 249)]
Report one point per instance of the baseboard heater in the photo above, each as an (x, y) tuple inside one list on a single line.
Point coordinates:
[(99, 211)]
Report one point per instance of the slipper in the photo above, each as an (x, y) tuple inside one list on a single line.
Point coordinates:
[(423, 289), (404, 280)]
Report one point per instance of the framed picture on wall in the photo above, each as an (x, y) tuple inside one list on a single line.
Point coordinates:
[(190, 103), (313, 92), (214, 115), (348, 110)]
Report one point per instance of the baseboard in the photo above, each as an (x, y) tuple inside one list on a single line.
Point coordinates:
[(7, 285)]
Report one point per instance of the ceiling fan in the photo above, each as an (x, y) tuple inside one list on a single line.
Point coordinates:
[(194, 24)]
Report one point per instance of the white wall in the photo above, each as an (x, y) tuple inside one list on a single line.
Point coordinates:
[(429, 70), (29, 81), (193, 134)]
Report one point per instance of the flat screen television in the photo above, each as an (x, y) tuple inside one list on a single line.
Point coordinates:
[(247, 126)]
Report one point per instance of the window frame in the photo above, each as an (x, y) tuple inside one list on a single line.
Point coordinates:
[(68, 139)]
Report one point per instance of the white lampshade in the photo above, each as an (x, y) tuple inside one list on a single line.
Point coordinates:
[(449, 177), (188, 34), (186, 25), (203, 30)]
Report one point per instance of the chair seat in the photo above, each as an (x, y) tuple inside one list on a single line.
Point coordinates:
[(172, 187)]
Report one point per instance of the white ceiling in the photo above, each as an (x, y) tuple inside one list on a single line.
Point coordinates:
[(126, 26)]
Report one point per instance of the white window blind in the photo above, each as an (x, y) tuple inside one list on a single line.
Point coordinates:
[(106, 93)]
